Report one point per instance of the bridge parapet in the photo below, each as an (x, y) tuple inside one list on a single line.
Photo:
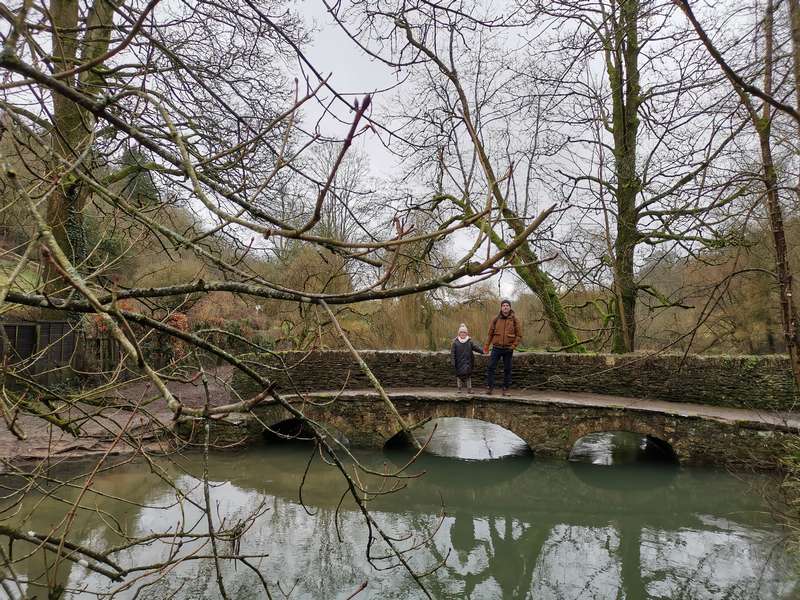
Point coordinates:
[(754, 382)]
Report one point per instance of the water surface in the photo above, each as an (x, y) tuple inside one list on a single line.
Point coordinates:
[(514, 527)]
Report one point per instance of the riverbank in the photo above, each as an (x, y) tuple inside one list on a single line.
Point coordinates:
[(148, 428)]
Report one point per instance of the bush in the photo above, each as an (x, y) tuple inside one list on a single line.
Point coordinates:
[(236, 336)]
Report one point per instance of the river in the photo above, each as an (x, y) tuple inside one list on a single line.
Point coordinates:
[(508, 527)]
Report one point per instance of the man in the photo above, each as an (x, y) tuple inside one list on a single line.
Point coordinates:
[(504, 336)]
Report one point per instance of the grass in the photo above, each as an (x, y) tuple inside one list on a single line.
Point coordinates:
[(26, 281)]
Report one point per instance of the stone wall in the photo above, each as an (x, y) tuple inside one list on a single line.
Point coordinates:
[(757, 382)]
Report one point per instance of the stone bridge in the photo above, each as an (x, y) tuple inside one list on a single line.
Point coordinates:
[(734, 412), (550, 423)]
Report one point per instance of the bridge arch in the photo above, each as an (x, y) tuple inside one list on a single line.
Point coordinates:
[(430, 410), (276, 424), (550, 430), (550, 426), (653, 427), (291, 429), (621, 447), (470, 438), (659, 441)]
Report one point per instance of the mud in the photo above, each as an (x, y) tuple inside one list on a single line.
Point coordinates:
[(144, 424)]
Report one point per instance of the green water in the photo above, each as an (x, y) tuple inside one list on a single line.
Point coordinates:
[(515, 527)]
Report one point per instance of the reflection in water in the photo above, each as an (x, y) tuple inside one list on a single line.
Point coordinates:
[(470, 439), (463, 473), (621, 447), (534, 530), (629, 477)]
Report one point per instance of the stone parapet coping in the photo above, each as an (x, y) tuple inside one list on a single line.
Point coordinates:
[(751, 419)]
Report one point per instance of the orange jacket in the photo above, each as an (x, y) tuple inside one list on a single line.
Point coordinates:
[(504, 332)]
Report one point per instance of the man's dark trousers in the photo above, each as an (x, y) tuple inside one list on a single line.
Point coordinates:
[(494, 358)]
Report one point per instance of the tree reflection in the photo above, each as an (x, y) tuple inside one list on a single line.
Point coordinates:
[(554, 561), (534, 530)]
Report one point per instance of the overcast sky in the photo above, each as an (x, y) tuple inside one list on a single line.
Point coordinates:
[(354, 72)]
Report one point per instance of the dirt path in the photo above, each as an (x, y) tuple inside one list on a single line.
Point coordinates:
[(43, 439)]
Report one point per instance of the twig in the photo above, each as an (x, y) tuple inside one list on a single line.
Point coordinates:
[(371, 376)]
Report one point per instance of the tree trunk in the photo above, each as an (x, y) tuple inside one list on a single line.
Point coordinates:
[(73, 127), (426, 320), (622, 62), (773, 205), (794, 19)]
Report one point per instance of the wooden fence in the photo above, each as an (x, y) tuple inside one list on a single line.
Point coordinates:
[(50, 351), (99, 355)]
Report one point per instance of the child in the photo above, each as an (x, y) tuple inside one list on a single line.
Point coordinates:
[(463, 359)]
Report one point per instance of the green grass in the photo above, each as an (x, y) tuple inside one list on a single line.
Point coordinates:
[(26, 281)]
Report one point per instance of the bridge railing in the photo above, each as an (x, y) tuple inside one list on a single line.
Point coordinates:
[(755, 382)]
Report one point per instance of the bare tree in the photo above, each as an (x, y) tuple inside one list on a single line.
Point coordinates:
[(178, 127), (647, 138), (448, 123), (772, 104), (609, 108)]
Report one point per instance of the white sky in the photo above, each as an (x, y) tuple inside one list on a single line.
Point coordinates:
[(352, 71)]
